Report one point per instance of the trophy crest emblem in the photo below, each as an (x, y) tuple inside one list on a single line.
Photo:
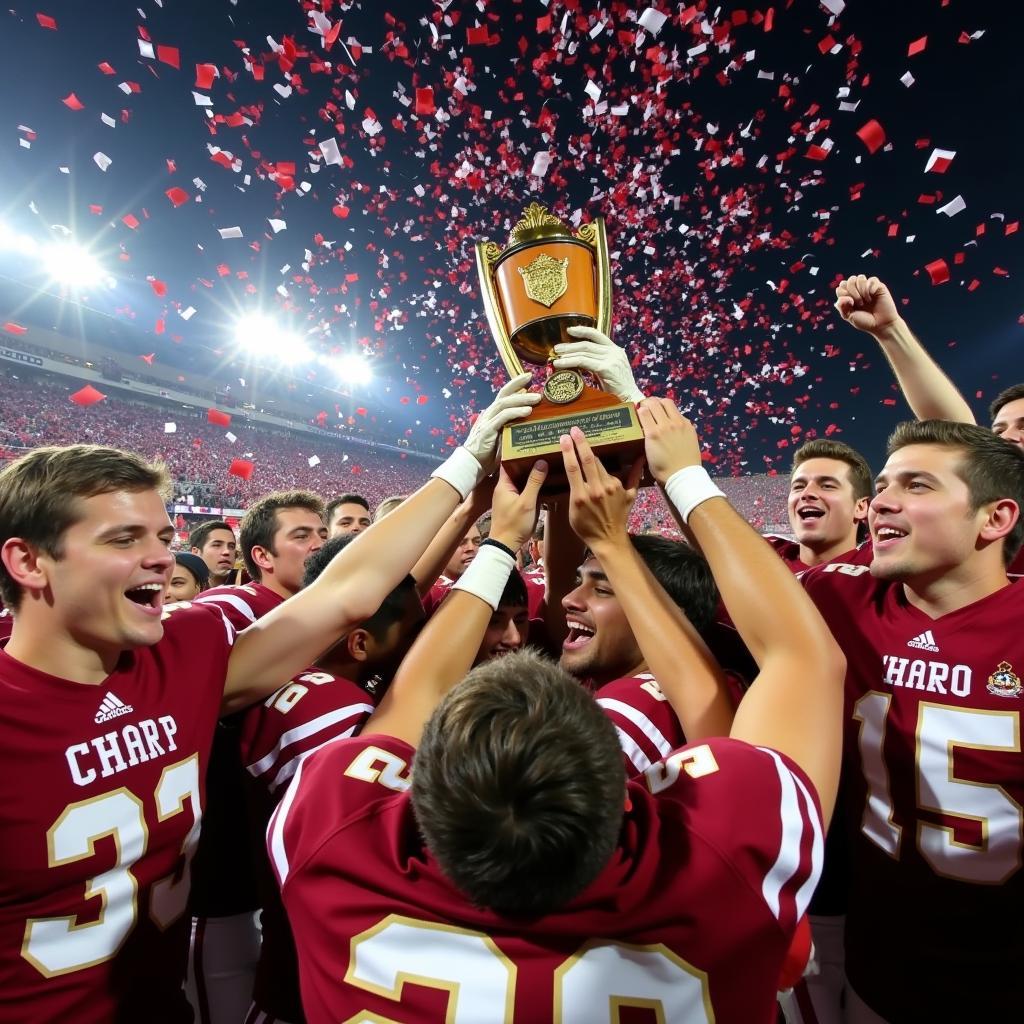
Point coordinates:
[(1004, 682), (545, 279)]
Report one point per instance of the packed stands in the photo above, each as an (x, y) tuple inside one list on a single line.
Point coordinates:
[(36, 410)]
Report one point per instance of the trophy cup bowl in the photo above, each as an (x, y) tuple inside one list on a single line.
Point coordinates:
[(546, 280)]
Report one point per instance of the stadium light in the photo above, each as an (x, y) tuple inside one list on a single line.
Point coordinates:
[(260, 335), (70, 264), (352, 369)]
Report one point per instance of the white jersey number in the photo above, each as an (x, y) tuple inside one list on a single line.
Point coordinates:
[(59, 945), (940, 730), (590, 985)]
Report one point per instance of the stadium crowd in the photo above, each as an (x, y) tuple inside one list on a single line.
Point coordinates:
[(390, 775), (35, 410)]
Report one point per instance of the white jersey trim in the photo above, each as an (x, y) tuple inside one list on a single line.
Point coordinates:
[(229, 599), (787, 861), (637, 758), (275, 829), (300, 732), (640, 720)]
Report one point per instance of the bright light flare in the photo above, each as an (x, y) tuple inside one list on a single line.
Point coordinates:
[(262, 336), (352, 369), (70, 264)]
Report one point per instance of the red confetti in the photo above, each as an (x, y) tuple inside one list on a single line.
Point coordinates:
[(87, 396), (169, 55), (872, 135), (12, 328), (46, 21), (422, 400), (177, 196), (159, 288), (242, 468), (73, 102), (106, 68), (130, 220), (148, 359), (218, 418), (205, 74), (340, 211), (917, 46), (938, 271), (477, 35), (425, 102)]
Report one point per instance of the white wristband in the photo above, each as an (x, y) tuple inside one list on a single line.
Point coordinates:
[(487, 575), (688, 487), (461, 470)]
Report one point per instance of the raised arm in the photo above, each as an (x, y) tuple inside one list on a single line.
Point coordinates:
[(672, 649), (440, 550), (444, 651), (795, 704), (866, 303), (352, 587)]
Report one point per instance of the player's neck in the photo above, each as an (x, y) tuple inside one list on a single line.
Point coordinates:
[(812, 556), (277, 587), (956, 588), (55, 652)]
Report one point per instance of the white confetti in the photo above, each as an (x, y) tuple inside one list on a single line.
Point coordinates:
[(235, 232), (102, 160)]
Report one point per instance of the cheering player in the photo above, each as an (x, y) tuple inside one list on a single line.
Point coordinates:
[(517, 875), (932, 755), (108, 712)]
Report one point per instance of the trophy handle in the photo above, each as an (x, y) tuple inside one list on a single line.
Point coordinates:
[(604, 278), (492, 307)]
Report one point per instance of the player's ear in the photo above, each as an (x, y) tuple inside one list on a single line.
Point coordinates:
[(860, 509), (262, 557), (23, 564), (1000, 517), (357, 643)]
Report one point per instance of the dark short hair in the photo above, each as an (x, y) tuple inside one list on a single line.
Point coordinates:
[(825, 448), (1010, 394), (196, 566), (260, 523), (514, 594), (992, 468), (345, 499), (200, 534), (392, 608), (39, 495), (683, 572), (519, 786)]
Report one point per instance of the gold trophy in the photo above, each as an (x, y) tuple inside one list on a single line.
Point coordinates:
[(544, 281)]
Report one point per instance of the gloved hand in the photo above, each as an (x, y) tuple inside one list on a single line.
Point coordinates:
[(601, 356), (510, 403)]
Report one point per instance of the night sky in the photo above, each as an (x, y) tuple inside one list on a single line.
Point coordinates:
[(735, 187)]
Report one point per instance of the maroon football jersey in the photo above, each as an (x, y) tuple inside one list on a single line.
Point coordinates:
[(719, 851), (789, 552), (101, 800), (934, 782), (647, 726), (315, 709), (6, 624), (243, 605)]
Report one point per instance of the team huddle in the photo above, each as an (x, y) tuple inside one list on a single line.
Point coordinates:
[(392, 777)]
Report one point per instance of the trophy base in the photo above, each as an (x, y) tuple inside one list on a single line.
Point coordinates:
[(612, 429)]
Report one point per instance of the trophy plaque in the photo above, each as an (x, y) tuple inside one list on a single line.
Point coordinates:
[(544, 281)]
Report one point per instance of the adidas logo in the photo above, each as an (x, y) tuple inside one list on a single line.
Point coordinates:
[(111, 707), (924, 642)]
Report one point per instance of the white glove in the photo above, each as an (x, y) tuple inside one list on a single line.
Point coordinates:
[(510, 403), (601, 356)]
